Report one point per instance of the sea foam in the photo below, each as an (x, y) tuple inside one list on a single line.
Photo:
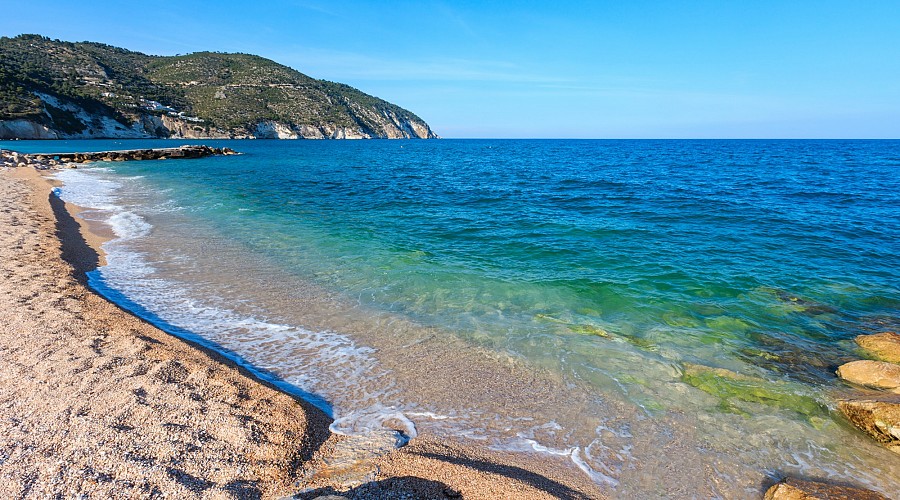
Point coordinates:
[(319, 366)]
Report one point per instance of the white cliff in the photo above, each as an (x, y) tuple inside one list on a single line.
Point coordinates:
[(382, 125)]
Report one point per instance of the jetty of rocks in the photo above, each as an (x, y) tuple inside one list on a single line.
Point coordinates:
[(15, 159)]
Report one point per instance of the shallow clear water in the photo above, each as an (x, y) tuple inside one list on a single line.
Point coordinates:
[(377, 277)]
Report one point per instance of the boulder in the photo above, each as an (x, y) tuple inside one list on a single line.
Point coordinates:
[(873, 374), (878, 417), (884, 346), (792, 488)]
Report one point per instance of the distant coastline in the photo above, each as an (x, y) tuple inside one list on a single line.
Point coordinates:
[(52, 89)]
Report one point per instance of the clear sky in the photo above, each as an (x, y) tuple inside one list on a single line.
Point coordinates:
[(601, 69)]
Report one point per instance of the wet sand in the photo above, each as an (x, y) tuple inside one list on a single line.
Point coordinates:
[(96, 401)]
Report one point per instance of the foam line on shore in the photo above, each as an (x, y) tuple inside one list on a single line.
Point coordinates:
[(129, 281)]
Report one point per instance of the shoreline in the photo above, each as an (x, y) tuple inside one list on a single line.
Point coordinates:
[(291, 433)]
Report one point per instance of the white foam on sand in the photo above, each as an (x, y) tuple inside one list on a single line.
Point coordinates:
[(574, 454), (128, 225), (86, 188), (323, 367)]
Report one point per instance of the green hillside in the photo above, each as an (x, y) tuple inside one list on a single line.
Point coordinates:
[(204, 92)]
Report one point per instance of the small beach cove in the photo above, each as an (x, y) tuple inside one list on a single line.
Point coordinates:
[(404, 369), (96, 400)]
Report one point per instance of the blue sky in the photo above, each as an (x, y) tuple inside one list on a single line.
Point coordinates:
[(602, 69)]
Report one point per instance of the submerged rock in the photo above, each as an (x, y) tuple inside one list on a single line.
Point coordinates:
[(884, 346), (731, 386), (878, 417), (797, 303), (800, 489), (590, 330), (873, 374), (794, 357)]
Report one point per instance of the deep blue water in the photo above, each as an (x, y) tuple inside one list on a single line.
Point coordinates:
[(587, 258)]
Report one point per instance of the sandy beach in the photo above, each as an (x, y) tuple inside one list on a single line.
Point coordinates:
[(95, 401)]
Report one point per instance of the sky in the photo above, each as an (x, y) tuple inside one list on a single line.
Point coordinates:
[(538, 69)]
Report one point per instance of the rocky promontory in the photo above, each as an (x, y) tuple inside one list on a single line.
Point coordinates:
[(51, 89)]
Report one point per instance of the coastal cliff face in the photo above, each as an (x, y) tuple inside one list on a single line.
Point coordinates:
[(51, 89), (25, 129), (149, 126)]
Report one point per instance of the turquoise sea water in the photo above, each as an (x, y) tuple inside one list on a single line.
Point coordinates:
[(628, 272)]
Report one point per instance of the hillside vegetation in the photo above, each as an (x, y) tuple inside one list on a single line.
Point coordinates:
[(86, 89)]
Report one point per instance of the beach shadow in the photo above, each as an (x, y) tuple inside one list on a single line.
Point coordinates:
[(537, 481), (418, 487), (392, 488), (75, 249)]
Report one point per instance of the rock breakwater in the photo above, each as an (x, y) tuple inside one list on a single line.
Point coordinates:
[(50, 160)]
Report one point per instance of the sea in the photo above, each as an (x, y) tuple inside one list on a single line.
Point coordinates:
[(666, 315)]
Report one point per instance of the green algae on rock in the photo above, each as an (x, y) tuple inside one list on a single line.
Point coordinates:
[(590, 330), (730, 386)]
